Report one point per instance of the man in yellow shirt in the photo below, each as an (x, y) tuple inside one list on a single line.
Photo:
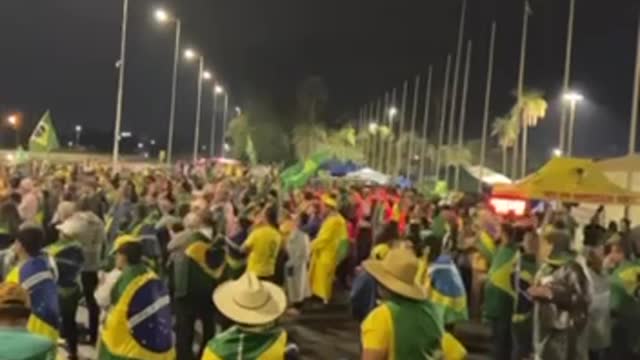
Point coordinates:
[(263, 244), (405, 325)]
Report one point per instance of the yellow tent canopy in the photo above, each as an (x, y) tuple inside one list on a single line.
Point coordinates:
[(622, 164), (569, 180)]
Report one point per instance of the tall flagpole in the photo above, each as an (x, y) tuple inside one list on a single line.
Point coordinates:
[(225, 114), (456, 75), (377, 140), (443, 116), (212, 139), (463, 113), (384, 142), (391, 118), (520, 90), (567, 74), (425, 125), (634, 110), (174, 83), (487, 105), (414, 115), (403, 115), (120, 95)]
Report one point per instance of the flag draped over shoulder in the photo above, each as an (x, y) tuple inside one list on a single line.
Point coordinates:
[(499, 292), (44, 138), (446, 290)]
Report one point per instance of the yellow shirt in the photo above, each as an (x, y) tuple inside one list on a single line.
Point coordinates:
[(264, 244), (378, 334)]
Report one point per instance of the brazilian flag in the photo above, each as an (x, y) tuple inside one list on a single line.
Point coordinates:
[(297, 175), (446, 290), (499, 292), (44, 138), (625, 302)]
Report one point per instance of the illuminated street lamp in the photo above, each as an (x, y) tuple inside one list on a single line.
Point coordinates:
[(573, 98), (78, 129), (238, 111), (556, 152), (162, 16), (373, 127), (13, 120), (190, 54), (393, 111), (218, 90)]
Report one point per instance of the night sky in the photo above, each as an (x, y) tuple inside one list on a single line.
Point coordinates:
[(60, 55)]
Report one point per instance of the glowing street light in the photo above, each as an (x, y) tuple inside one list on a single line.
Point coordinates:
[(393, 111), (218, 89), (162, 16), (373, 127), (556, 152), (238, 110), (78, 129), (573, 98), (13, 120), (190, 54)]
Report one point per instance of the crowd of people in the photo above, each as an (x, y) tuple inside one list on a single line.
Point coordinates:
[(164, 258)]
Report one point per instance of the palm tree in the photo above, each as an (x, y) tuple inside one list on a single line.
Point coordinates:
[(307, 139), (528, 111), (506, 129)]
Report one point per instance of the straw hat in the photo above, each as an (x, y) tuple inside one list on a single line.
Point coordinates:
[(250, 301), (397, 272), (13, 296)]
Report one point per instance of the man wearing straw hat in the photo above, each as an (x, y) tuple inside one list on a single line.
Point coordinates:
[(17, 342), (405, 325), (324, 250), (254, 306)]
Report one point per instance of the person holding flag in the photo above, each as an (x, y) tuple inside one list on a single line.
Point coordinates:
[(44, 138)]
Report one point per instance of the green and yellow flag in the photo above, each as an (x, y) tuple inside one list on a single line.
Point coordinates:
[(44, 138)]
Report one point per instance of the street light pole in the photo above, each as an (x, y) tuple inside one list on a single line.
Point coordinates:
[(487, 105), (443, 117), (425, 125), (403, 109), (377, 143), (120, 95), (196, 134), (567, 71), (174, 83), (572, 120), (212, 138), (520, 91), (225, 110), (414, 115), (463, 114)]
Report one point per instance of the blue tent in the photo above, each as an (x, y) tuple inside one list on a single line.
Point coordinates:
[(338, 167)]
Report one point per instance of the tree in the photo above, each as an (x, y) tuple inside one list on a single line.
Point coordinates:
[(308, 139), (269, 138), (239, 133), (312, 96), (506, 129)]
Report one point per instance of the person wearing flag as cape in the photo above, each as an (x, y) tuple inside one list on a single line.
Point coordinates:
[(17, 342), (405, 325), (254, 306), (138, 324), (36, 274)]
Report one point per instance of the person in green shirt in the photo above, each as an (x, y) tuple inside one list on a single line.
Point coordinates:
[(16, 343), (254, 306)]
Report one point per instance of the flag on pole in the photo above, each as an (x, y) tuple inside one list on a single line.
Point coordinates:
[(44, 138)]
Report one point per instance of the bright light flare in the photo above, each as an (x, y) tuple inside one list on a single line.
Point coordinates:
[(78, 128), (218, 89), (556, 152), (13, 120), (573, 97), (206, 75), (190, 54), (161, 15), (393, 111)]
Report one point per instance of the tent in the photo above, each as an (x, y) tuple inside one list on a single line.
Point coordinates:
[(369, 175), (569, 180), (487, 175), (617, 171), (338, 167)]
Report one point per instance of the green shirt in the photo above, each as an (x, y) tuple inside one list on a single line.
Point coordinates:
[(19, 344)]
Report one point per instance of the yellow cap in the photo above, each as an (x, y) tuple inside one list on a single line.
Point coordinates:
[(123, 240), (329, 201)]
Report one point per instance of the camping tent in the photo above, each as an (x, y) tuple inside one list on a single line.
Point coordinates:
[(369, 175), (569, 180), (487, 175)]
